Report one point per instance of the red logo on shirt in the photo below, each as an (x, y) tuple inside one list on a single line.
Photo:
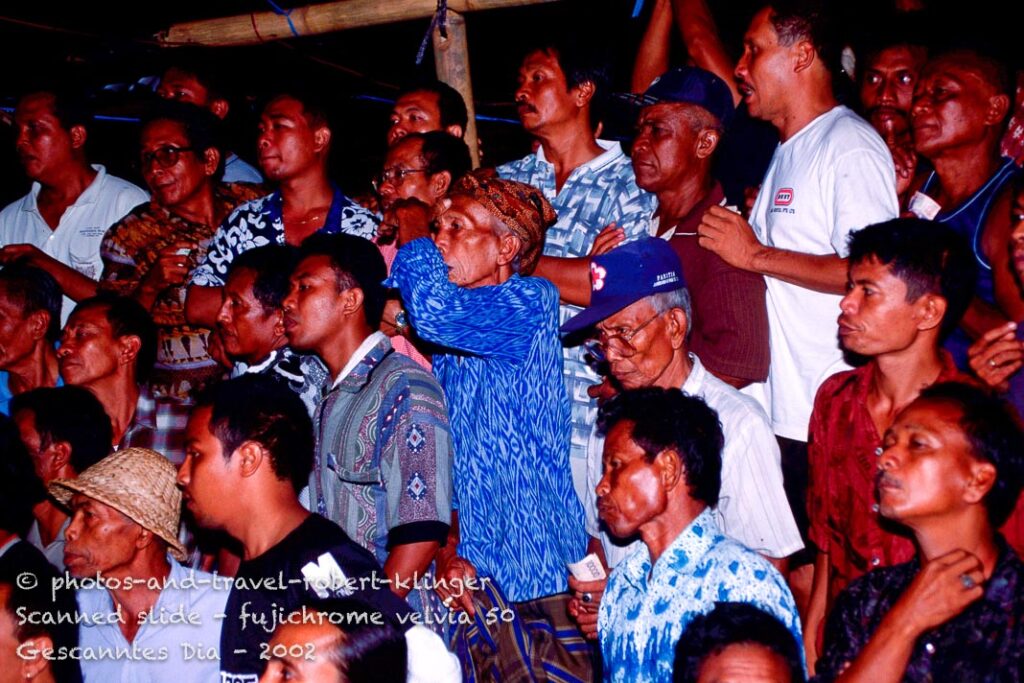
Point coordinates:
[(784, 197), (597, 276)]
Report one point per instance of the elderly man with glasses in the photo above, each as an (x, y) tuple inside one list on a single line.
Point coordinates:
[(641, 309)]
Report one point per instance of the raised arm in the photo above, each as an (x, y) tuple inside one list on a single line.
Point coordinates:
[(703, 42)]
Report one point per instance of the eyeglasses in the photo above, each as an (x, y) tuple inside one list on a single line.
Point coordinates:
[(597, 347), (394, 176), (165, 156)]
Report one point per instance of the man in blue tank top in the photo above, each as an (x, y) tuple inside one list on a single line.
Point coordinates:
[(958, 116)]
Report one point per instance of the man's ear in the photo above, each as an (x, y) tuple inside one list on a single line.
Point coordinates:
[(439, 184), (998, 108), (37, 323), (322, 138), (219, 107), (250, 457), (145, 538), (677, 327), (981, 481), (278, 322), (78, 136), (931, 310), (509, 246), (707, 143), (804, 55), (61, 457), (670, 468), (130, 345), (455, 130), (584, 93), (351, 300)]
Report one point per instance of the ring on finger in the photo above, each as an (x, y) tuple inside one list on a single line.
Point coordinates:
[(447, 602), (587, 597), (967, 581), (992, 362)]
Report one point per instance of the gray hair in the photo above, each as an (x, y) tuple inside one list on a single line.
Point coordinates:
[(664, 302), (500, 229)]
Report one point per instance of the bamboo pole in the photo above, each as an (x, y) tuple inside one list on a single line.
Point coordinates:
[(259, 27), (451, 59)]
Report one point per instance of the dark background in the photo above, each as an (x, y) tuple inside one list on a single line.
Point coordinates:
[(108, 49)]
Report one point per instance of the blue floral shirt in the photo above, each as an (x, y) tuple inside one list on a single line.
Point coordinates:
[(259, 222), (520, 521), (644, 611), (596, 193)]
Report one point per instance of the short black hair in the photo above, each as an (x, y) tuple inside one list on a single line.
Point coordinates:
[(72, 415), (259, 408), (444, 152), (995, 436), (372, 649), (314, 104), (197, 65), (127, 318), (893, 29), (734, 623), (356, 262), (202, 129), (20, 488), (929, 257), (449, 102), (810, 20), (665, 419), (70, 105), (581, 61), (33, 289), (992, 69), (272, 266)]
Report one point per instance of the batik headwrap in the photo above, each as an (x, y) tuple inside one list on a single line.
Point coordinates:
[(519, 206)]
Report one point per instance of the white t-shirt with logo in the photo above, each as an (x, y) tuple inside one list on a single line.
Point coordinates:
[(833, 177), (76, 240)]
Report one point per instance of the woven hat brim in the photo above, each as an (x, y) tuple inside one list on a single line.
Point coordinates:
[(64, 489)]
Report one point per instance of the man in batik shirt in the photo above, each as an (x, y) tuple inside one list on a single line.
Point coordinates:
[(518, 520)]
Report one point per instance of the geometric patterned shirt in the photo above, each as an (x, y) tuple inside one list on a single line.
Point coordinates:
[(158, 424), (596, 193), (645, 610), (261, 222)]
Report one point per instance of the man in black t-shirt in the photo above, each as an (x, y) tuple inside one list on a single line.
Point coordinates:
[(249, 451)]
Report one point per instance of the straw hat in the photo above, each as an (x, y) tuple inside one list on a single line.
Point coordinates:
[(138, 482)]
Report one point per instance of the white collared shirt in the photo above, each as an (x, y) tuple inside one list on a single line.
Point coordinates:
[(752, 506)]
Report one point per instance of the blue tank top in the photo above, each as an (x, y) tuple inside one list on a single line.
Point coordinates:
[(968, 219)]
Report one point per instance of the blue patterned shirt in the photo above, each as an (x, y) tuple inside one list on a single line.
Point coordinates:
[(520, 521), (644, 612), (260, 222), (596, 193)]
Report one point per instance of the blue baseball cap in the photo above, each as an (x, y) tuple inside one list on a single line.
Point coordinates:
[(690, 85), (626, 275)]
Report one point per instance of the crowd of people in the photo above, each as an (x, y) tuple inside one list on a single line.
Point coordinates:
[(663, 412)]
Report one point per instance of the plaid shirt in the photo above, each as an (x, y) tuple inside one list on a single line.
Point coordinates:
[(158, 424)]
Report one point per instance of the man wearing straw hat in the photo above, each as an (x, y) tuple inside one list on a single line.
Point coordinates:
[(146, 617)]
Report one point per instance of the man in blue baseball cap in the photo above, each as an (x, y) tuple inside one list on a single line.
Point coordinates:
[(684, 115), (641, 316)]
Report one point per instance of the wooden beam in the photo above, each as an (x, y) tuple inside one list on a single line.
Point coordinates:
[(259, 27), (451, 59)]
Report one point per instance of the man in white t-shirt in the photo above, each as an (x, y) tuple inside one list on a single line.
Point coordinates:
[(831, 174), (59, 224)]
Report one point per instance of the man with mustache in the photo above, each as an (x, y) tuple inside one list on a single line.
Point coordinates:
[(589, 183), (950, 470), (909, 283), (830, 174), (59, 224), (960, 109)]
